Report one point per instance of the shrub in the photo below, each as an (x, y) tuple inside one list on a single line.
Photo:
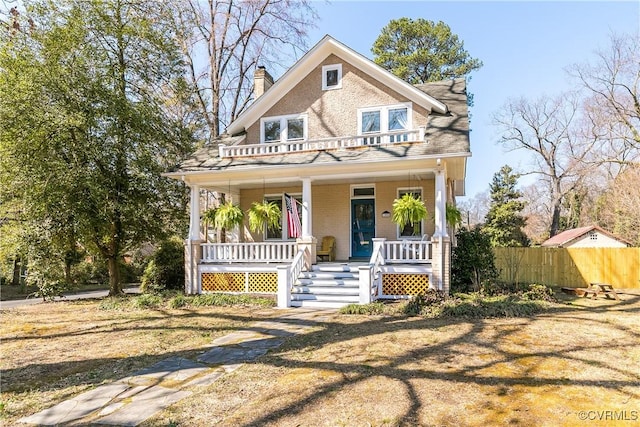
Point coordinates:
[(472, 262), (165, 269), (48, 290), (539, 292), (478, 306), (90, 271), (230, 299), (424, 303), (371, 308), (178, 301), (147, 301)]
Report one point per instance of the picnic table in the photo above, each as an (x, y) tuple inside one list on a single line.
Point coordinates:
[(594, 290), (602, 289)]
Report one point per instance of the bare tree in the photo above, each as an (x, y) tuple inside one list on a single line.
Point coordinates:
[(620, 206), (613, 105), (537, 211), (474, 209), (550, 129), (223, 41)]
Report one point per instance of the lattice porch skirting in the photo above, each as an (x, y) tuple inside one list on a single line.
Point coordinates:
[(402, 284), (252, 282)]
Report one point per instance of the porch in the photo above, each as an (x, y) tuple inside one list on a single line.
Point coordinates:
[(396, 269)]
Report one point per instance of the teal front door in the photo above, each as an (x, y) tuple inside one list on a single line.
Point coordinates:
[(363, 227)]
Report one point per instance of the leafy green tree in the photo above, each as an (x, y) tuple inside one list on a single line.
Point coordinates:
[(165, 269), (87, 107), (472, 261), (503, 223), (420, 51)]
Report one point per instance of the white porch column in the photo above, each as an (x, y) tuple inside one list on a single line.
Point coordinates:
[(441, 206), (306, 208), (307, 240), (193, 248), (194, 223)]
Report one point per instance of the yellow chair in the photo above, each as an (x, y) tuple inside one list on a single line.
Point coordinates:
[(328, 248)]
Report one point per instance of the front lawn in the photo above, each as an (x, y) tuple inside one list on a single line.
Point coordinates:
[(572, 362)]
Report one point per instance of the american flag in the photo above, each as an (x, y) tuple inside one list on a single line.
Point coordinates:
[(293, 220)]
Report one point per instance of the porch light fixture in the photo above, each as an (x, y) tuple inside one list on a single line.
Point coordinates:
[(386, 214)]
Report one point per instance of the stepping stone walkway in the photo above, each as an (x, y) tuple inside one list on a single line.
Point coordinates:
[(131, 400)]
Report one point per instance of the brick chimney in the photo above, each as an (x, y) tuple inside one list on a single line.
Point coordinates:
[(262, 81)]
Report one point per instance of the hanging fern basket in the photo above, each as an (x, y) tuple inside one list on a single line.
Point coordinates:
[(227, 216), (408, 210), (265, 215)]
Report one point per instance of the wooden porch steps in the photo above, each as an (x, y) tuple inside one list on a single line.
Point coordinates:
[(327, 286)]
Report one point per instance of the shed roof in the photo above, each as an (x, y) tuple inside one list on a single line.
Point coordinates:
[(567, 236)]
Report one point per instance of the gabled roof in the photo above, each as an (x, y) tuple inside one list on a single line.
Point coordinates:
[(325, 47), (567, 236), (447, 136)]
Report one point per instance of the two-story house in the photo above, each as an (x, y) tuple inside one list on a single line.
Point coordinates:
[(339, 138)]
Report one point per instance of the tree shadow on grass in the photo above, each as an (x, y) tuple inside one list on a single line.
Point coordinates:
[(404, 367), (623, 378)]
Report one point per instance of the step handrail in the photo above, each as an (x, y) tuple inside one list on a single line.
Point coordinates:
[(288, 274)]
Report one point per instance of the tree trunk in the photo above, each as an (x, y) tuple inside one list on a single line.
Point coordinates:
[(115, 287), (555, 219), (556, 208), (16, 271), (67, 270)]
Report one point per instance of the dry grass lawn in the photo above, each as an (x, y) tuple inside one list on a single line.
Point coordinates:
[(576, 361)]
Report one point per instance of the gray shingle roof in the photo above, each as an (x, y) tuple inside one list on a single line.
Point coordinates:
[(445, 134)]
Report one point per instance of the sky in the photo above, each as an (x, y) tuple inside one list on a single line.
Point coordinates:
[(526, 48)]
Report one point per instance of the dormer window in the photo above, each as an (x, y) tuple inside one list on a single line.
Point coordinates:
[(332, 77)]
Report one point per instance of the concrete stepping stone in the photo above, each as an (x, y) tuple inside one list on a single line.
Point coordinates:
[(175, 369), (237, 337), (77, 407), (143, 405), (227, 355)]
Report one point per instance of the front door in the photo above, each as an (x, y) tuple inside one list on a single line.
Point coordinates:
[(363, 227)]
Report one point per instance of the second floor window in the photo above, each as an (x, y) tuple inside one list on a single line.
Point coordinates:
[(283, 128), (382, 120)]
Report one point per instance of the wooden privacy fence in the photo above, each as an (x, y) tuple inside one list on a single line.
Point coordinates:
[(576, 267)]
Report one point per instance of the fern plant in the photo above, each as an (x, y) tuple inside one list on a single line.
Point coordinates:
[(227, 216), (264, 215), (209, 216), (408, 209), (454, 216)]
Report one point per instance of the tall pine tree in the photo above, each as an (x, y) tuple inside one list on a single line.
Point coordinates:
[(503, 222)]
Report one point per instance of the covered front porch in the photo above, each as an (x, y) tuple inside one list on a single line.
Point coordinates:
[(354, 207), (397, 269)]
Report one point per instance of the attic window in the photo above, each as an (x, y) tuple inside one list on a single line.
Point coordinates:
[(332, 77)]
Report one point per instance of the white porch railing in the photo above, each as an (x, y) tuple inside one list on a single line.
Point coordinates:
[(371, 275), (412, 135), (288, 274), (248, 252), (408, 251)]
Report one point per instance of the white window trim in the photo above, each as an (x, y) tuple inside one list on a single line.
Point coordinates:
[(398, 231), (325, 68), (283, 219), (354, 186), (384, 116), (283, 127)]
